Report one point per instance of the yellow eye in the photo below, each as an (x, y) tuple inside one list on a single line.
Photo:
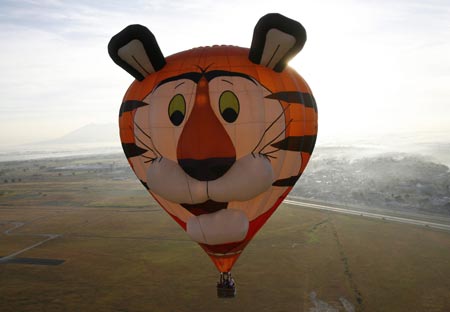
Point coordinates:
[(229, 106), (177, 109)]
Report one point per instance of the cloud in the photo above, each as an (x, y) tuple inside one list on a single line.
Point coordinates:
[(368, 63)]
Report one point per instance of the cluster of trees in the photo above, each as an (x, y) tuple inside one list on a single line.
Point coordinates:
[(392, 181)]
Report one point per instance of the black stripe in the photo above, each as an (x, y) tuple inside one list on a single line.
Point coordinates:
[(286, 181), (297, 143), (130, 105), (132, 150), (195, 77), (144, 184), (224, 73), (304, 98)]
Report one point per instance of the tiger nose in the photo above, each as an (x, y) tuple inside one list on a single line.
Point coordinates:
[(206, 169), (205, 150)]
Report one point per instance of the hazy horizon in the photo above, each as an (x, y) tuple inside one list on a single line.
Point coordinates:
[(109, 132), (375, 68)]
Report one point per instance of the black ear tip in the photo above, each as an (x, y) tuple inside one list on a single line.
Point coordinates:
[(134, 31), (274, 29), (147, 52), (283, 23)]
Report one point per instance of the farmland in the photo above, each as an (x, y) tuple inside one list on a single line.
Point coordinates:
[(119, 251)]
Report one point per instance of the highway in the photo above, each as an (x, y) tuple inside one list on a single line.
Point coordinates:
[(289, 201), (424, 223)]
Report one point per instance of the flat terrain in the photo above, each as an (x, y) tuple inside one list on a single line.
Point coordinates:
[(121, 252)]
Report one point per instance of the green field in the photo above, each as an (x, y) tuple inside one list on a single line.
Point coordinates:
[(123, 253)]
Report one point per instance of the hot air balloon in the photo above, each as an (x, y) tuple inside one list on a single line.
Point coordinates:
[(218, 135)]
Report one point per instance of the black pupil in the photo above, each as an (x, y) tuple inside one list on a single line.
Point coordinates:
[(177, 118), (229, 115)]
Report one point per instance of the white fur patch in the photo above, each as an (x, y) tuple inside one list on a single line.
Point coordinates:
[(247, 178), (167, 179), (277, 45), (134, 54), (221, 227)]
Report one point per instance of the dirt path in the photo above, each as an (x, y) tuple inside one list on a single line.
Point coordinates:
[(16, 225)]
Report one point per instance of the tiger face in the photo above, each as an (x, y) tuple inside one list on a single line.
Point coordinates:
[(218, 135)]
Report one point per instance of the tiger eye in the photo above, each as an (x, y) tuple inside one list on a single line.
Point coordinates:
[(177, 109), (229, 106)]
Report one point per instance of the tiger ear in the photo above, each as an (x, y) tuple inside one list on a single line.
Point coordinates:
[(276, 39), (135, 49)]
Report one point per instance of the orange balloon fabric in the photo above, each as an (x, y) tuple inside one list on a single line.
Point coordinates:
[(206, 137), (218, 135)]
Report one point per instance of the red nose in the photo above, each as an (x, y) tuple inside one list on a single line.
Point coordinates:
[(205, 151)]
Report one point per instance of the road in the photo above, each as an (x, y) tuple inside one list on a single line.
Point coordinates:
[(16, 225), (289, 201), (425, 223)]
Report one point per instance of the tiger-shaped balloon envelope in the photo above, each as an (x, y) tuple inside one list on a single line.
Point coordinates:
[(218, 135)]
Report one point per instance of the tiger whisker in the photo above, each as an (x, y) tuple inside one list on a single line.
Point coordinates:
[(148, 149), (148, 136), (271, 152), (143, 143), (150, 160), (275, 138), (268, 128), (148, 157)]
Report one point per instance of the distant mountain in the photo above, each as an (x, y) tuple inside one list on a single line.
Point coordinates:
[(91, 133), (90, 139)]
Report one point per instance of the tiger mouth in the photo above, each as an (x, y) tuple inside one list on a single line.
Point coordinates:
[(248, 177), (221, 227), (212, 220), (208, 206)]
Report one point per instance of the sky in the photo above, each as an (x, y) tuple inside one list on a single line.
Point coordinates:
[(375, 67)]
